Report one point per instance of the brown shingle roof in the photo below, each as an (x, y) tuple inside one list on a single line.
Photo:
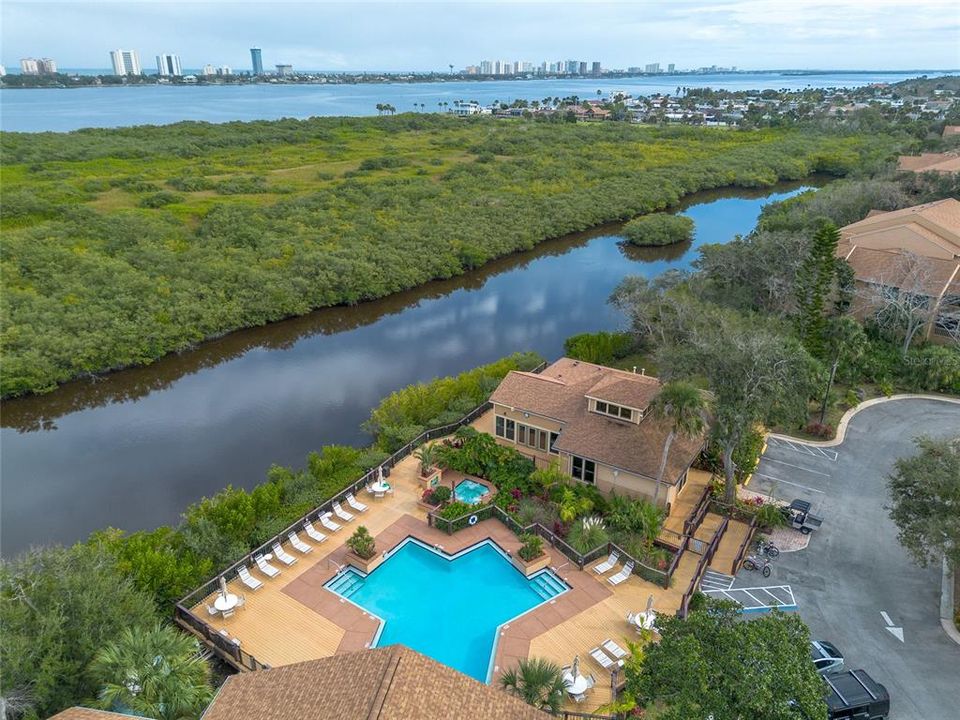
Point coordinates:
[(560, 392), (948, 162), (82, 713), (931, 229), (389, 683)]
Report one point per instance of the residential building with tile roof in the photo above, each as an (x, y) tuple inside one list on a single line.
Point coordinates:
[(593, 421), (388, 683), (945, 162), (83, 713), (916, 249)]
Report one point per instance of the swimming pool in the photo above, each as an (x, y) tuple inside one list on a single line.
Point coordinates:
[(469, 491), (449, 608)]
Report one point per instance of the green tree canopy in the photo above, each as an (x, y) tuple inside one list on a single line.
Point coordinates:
[(925, 500), (715, 664), (155, 671), (58, 607)]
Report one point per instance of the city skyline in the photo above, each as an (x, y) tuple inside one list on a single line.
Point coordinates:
[(423, 37)]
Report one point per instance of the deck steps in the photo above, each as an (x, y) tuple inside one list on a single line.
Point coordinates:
[(347, 584), (546, 585)]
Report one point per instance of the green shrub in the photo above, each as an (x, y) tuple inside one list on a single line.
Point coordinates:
[(658, 229), (601, 348), (406, 413), (588, 534), (456, 509), (159, 199), (769, 516), (382, 163), (933, 368), (440, 494), (532, 547)]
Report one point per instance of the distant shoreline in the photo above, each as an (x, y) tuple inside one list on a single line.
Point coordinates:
[(68, 80)]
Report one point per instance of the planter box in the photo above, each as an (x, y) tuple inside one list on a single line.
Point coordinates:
[(428, 507), (528, 568), (430, 480), (364, 565)]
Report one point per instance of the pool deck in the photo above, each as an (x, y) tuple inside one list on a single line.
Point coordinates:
[(294, 618)]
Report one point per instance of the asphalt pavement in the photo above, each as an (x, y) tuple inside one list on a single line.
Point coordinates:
[(855, 586)]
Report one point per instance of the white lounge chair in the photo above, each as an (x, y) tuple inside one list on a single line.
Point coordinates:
[(355, 504), (313, 533), (249, 580), (608, 564), (622, 575), (282, 555), (615, 650), (265, 567), (341, 513), (212, 611), (328, 523), (297, 544), (604, 660)]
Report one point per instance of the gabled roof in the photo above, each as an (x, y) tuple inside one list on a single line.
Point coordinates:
[(947, 162), (560, 393), (389, 683), (931, 230)]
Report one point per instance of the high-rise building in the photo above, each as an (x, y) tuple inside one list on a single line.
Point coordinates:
[(3, 70), (284, 69), (125, 62), (208, 70), (256, 59), (46, 66), (595, 69), (224, 70), (582, 69), (671, 68), (29, 66), (652, 68), (169, 65), (486, 67), (572, 67)]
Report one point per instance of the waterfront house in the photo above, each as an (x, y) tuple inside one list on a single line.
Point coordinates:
[(593, 421), (915, 250)]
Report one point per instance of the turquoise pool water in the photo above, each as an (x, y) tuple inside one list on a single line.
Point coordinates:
[(446, 608), (469, 491)]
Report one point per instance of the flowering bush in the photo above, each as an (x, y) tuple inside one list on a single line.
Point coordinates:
[(822, 430)]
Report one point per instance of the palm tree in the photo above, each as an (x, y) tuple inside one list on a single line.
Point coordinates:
[(536, 681), (682, 406), (155, 672)]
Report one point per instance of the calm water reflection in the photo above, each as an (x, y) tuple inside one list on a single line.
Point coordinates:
[(133, 449)]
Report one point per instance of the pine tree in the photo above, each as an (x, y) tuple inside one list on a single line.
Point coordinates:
[(814, 281)]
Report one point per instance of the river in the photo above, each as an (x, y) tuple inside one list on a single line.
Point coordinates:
[(38, 110), (134, 448)]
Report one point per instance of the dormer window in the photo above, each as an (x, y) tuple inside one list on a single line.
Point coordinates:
[(616, 411)]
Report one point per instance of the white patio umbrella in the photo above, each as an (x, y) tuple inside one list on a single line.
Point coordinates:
[(223, 587), (380, 474), (649, 604), (575, 668)]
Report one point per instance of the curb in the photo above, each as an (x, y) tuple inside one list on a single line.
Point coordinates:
[(946, 603), (848, 415)]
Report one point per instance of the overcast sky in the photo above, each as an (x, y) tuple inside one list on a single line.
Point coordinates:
[(751, 34)]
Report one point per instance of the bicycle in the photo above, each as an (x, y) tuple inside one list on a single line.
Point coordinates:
[(759, 564), (765, 547)]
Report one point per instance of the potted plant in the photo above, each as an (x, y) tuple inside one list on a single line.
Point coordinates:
[(530, 557), (429, 472), (362, 552)]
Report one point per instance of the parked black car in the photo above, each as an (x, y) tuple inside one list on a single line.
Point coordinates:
[(854, 695)]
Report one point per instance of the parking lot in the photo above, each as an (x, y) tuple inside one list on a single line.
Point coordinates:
[(854, 585)]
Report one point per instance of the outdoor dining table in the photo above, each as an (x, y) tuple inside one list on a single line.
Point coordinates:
[(226, 603), (576, 685), (379, 488)]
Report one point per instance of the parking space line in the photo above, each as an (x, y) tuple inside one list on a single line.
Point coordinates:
[(798, 467), (781, 480), (812, 450)]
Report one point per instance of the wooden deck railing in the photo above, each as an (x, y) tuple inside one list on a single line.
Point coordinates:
[(742, 552), (698, 512), (222, 646), (702, 568)]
